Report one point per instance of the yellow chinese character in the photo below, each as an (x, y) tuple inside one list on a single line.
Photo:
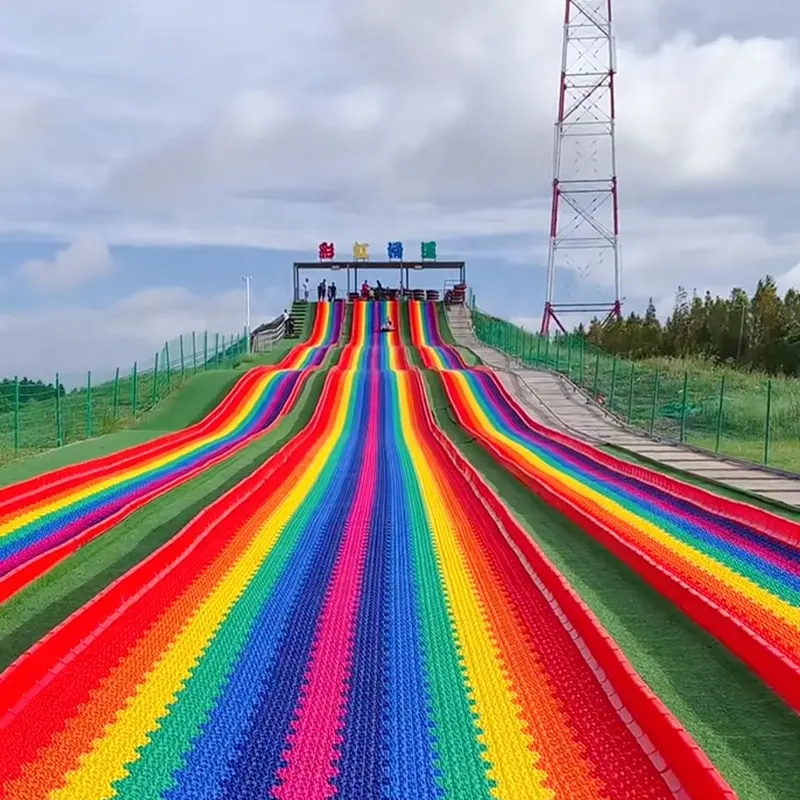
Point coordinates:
[(360, 251)]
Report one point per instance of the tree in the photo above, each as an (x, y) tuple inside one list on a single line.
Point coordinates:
[(761, 332)]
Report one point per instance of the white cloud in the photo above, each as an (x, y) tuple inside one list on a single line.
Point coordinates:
[(281, 126), (73, 339), (85, 259), (789, 280)]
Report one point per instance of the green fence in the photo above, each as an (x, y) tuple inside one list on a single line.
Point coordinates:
[(40, 415), (744, 415)]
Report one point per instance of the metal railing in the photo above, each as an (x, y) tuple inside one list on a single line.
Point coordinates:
[(748, 416), (38, 415)]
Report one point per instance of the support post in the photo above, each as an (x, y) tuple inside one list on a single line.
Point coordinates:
[(630, 393), (767, 421), (59, 428), (683, 406), (134, 387), (719, 412), (115, 408), (89, 405), (16, 414), (155, 381), (183, 363), (613, 385), (655, 403)]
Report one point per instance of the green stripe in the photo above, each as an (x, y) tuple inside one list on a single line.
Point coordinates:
[(152, 774), (460, 754)]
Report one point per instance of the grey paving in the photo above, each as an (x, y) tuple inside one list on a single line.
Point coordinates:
[(554, 401)]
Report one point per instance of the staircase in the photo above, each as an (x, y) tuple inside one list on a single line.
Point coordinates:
[(298, 314)]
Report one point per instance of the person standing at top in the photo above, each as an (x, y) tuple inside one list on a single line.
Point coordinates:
[(306, 290), (365, 290), (332, 292)]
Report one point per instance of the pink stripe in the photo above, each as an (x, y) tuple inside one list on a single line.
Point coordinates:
[(319, 716)]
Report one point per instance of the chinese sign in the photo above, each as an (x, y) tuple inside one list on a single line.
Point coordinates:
[(394, 250), (429, 251), (360, 251), (326, 251)]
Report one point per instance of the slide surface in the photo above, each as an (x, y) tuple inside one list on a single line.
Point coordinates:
[(352, 620), (46, 518)]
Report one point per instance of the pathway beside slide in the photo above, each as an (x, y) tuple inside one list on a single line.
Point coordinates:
[(359, 618), (46, 518)]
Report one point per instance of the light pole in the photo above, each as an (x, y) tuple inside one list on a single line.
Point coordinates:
[(247, 279)]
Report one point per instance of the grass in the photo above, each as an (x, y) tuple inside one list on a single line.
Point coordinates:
[(38, 608), (650, 393), (752, 737), (187, 405), (186, 400)]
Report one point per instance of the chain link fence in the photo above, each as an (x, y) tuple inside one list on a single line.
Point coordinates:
[(36, 416), (744, 415)]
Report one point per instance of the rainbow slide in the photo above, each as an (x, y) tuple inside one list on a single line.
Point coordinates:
[(48, 517), (733, 568), (361, 617)]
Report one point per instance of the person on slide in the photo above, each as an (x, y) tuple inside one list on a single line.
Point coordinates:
[(387, 326)]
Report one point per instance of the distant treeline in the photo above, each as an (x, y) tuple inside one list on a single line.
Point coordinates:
[(759, 332), (30, 391)]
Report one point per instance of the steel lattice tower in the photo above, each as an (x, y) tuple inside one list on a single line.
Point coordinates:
[(584, 222)]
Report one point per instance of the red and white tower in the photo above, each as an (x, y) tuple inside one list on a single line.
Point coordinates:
[(584, 222)]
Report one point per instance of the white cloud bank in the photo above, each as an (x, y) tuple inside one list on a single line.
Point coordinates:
[(283, 124), (73, 339), (83, 260)]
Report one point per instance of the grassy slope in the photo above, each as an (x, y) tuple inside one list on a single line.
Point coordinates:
[(41, 606), (750, 735), (404, 330), (185, 406)]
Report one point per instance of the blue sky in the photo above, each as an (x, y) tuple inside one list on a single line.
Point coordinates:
[(152, 153)]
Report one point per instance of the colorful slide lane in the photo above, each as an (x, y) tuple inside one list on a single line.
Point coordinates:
[(352, 620), (46, 518), (427, 339), (739, 579)]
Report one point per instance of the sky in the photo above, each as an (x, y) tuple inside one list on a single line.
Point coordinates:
[(152, 153)]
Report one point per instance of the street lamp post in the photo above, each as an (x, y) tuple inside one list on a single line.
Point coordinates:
[(247, 279)]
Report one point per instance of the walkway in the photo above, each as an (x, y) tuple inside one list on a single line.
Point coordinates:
[(553, 400)]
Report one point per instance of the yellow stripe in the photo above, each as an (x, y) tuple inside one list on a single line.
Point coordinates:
[(134, 472), (736, 582), (510, 754), (105, 763)]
